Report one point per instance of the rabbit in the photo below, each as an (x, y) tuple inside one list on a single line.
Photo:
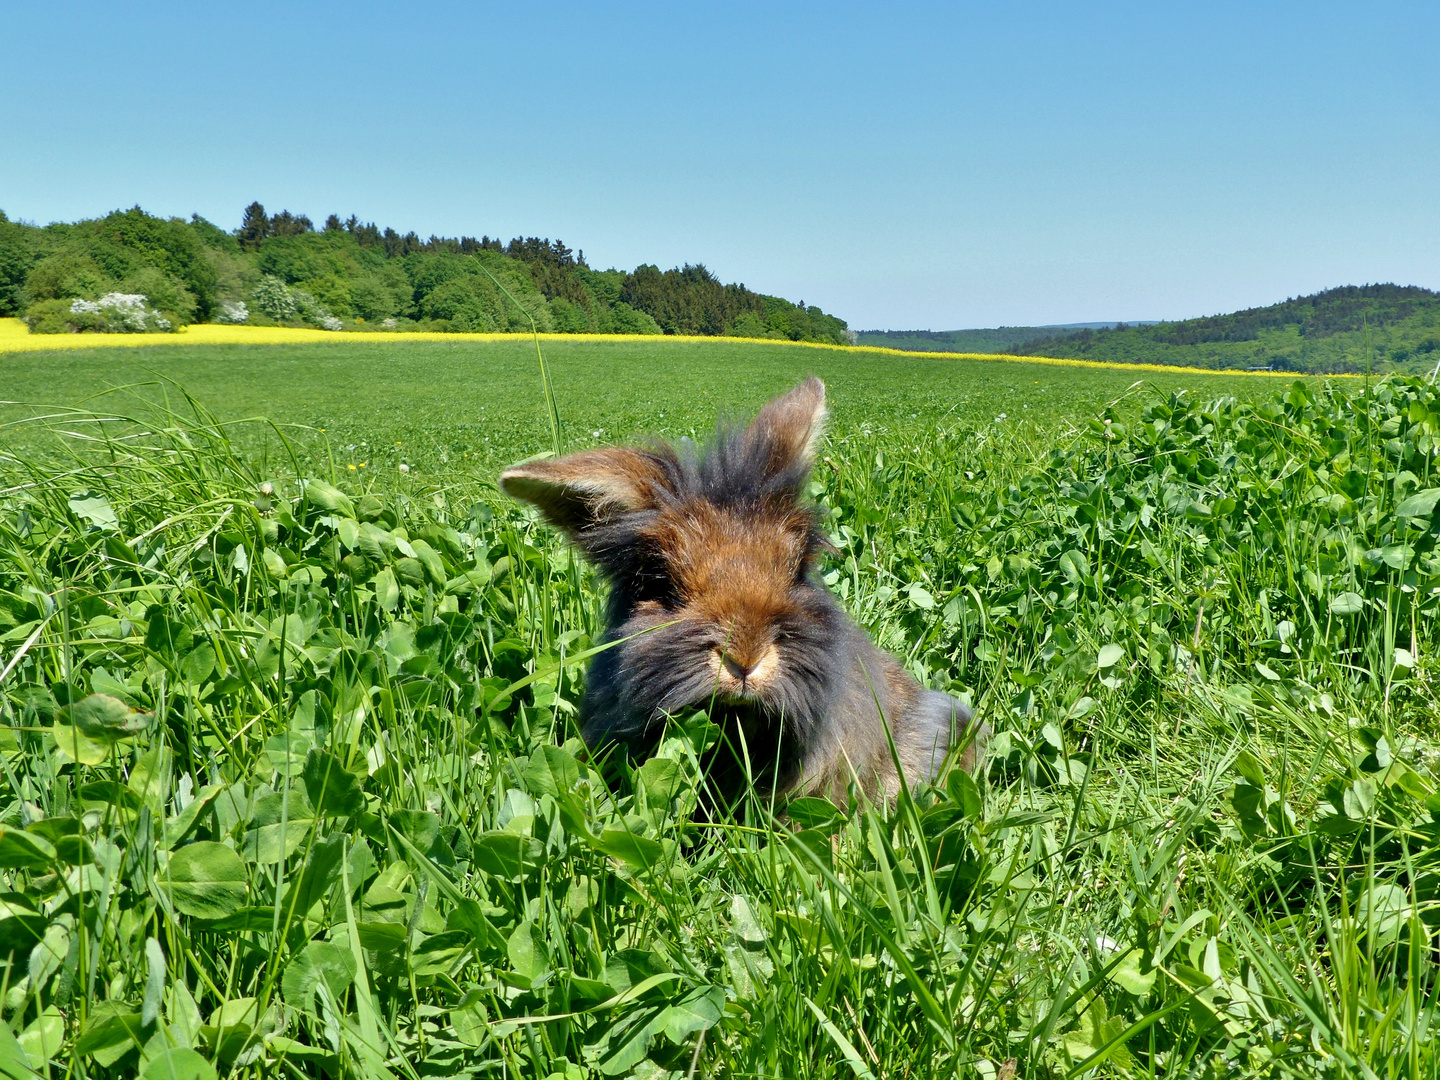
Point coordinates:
[(710, 558)]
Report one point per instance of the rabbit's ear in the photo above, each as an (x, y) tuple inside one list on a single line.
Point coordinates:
[(581, 490), (787, 430)]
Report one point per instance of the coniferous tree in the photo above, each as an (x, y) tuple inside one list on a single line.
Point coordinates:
[(254, 227)]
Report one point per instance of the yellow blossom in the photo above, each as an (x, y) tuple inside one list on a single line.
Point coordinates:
[(15, 336)]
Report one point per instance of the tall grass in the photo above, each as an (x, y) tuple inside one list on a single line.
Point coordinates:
[(293, 785)]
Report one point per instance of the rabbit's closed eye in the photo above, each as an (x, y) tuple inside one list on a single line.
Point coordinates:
[(653, 583)]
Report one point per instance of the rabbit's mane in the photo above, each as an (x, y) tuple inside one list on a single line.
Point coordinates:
[(730, 535), (729, 484), (709, 554)]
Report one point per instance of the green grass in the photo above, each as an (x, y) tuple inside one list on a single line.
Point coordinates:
[(330, 817), (443, 402)]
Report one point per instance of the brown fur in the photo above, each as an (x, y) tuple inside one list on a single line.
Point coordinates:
[(714, 601), (573, 491)]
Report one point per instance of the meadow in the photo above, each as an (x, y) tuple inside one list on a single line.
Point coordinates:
[(434, 398), (292, 788)]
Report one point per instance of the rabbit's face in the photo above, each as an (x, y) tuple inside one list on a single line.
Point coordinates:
[(736, 585), (709, 559)]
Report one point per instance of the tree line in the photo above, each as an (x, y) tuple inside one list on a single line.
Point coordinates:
[(279, 268)]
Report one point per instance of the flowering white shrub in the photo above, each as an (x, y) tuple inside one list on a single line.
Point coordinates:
[(314, 312), (122, 313), (389, 324), (232, 311), (276, 299), (284, 302)]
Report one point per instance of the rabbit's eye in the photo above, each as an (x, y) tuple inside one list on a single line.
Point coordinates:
[(656, 588)]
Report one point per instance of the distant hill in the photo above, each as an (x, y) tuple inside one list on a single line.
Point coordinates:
[(1347, 329), (1351, 328), (131, 271), (999, 339)]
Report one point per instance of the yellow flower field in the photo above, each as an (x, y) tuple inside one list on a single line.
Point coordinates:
[(15, 337)]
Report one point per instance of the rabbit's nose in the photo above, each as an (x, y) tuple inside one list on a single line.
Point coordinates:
[(735, 668)]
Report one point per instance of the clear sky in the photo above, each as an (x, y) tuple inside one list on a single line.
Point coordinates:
[(901, 165)]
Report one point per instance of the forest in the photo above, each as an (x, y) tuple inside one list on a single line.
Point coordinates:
[(1353, 328), (995, 339), (131, 271)]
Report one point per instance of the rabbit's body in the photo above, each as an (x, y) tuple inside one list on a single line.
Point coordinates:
[(714, 600)]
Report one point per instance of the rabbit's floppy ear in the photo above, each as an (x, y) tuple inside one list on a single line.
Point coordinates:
[(787, 430), (581, 490)]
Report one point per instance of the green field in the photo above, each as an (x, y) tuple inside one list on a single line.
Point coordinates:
[(291, 783), (444, 401)]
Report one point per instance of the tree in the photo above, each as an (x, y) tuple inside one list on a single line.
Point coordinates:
[(17, 256), (288, 224), (254, 227)]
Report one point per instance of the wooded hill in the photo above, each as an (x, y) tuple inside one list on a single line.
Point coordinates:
[(131, 270), (995, 339), (1348, 329)]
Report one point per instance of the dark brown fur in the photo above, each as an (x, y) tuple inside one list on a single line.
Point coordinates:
[(710, 560)]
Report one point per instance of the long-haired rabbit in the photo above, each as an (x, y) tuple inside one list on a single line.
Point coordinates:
[(710, 560)]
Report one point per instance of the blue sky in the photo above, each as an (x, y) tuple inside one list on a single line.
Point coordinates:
[(901, 165)]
